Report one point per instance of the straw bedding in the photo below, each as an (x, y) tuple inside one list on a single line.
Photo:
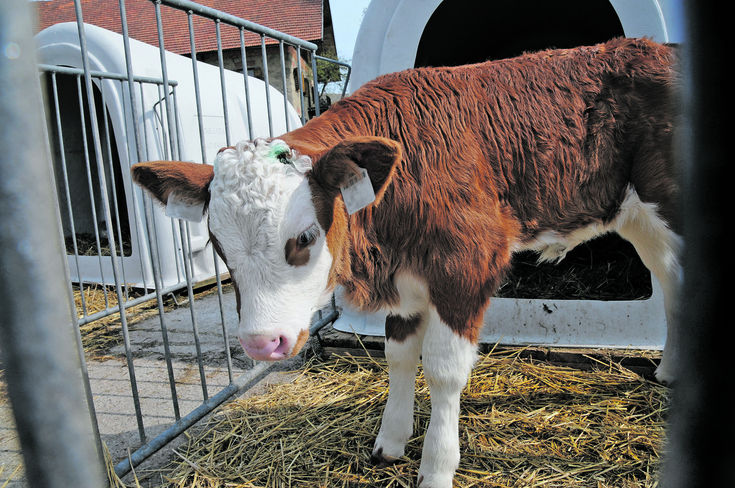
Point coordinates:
[(523, 423)]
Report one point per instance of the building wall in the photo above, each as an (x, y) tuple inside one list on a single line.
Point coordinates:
[(232, 60)]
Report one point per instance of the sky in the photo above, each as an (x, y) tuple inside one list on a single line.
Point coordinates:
[(346, 18)]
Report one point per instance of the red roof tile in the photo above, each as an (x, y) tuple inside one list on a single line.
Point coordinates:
[(298, 18)]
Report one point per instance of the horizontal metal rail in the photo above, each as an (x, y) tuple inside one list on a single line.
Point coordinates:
[(66, 70), (230, 19), (130, 303)]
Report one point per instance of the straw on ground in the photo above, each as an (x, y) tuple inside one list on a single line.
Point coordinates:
[(523, 423)]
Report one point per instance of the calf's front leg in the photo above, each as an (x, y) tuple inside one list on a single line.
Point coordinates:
[(402, 351), (447, 360)]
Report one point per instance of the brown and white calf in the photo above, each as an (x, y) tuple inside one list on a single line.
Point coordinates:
[(468, 165)]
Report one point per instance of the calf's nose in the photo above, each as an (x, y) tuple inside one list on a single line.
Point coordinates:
[(266, 347)]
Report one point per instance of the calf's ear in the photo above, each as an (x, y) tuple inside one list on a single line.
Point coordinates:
[(377, 155), (190, 181)]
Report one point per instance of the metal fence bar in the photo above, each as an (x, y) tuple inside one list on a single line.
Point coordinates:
[(107, 215), (129, 113), (240, 384), (223, 85), (171, 139), (301, 85), (340, 63), (246, 83), (90, 184), (184, 232), (213, 14), (266, 80), (317, 108), (186, 248), (67, 70), (67, 192), (148, 211), (197, 92), (38, 353), (115, 203), (202, 145), (282, 58), (699, 450), (228, 141), (164, 73)]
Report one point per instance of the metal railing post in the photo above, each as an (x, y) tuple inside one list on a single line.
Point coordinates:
[(41, 365)]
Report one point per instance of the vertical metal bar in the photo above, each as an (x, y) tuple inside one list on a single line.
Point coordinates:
[(264, 59), (164, 75), (39, 356), (186, 246), (285, 85), (72, 308), (142, 153), (246, 82), (113, 186), (223, 85), (129, 113), (317, 108), (67, 192), (90, 187), (177, 131), (108, 217), (347, 81), (301, 84), (197, 94), (197, 97), (188, 259)]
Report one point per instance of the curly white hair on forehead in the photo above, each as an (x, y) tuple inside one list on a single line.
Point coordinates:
[(255, 173)]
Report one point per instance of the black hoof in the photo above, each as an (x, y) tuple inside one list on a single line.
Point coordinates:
[(378, 460)]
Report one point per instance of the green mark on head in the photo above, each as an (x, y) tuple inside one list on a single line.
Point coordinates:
[(282, 154)]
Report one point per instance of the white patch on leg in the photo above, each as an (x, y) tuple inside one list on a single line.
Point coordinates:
[(659, 248), (657, 245), (447, 360), (396, 426)]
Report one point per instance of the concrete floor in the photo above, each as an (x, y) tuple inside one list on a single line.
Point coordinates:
[(111, 387)]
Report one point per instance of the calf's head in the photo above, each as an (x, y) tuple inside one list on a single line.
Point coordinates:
[(276, 218)]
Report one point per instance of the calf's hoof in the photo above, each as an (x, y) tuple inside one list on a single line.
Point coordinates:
[(377, 458), (664, 375)]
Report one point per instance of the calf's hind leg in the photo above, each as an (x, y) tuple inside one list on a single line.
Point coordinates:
[(659, 248)]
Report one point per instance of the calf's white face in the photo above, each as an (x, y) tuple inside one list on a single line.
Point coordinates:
[(263, 221)]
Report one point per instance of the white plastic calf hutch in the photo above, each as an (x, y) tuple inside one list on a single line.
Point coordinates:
[(59, 46), (400, 34)]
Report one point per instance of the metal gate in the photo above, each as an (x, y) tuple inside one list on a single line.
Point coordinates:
[(115, 238)]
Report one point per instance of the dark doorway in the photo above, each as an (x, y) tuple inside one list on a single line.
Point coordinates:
[(471, 31)]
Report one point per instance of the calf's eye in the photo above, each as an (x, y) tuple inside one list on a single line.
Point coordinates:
[(307, 237)]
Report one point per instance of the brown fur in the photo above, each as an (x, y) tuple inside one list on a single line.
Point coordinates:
[(161, 178), (492, 154), (398, 328), (470, 160), (295, 254)]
